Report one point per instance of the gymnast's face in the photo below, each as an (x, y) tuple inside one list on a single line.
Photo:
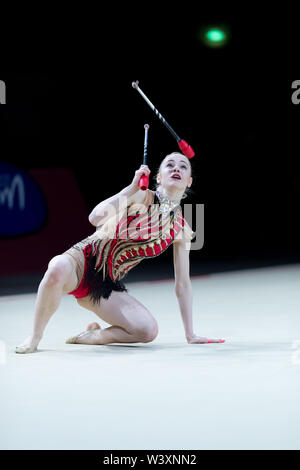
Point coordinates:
[(175, 172)]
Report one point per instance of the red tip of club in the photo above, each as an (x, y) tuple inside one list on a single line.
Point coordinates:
[(186, 149)]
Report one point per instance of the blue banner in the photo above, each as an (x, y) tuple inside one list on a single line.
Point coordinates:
[(23, 208)]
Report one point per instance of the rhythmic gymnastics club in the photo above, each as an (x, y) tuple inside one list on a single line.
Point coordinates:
[(183, 145), (144, 180)]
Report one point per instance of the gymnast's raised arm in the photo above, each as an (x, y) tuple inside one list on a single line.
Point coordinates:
[(119, 201)]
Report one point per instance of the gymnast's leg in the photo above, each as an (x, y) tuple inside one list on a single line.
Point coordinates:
[(131, 321), (60, 278)]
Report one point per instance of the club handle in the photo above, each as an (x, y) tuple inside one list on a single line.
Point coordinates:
[(144, 182)]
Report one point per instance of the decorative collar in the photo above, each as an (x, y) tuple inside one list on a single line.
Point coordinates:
[(166, 204)]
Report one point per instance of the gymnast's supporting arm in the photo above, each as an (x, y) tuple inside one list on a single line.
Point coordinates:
[(183, 285), (183, 289)]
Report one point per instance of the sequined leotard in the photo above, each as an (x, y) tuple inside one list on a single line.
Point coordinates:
[(141, 231)]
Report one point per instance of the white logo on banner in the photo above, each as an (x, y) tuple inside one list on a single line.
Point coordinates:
[(7, 194)]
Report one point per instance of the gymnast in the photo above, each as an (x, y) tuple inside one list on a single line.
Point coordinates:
[(129, 227)]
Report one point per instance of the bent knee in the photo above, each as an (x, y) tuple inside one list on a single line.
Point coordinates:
[(58, 271), (146, 333)]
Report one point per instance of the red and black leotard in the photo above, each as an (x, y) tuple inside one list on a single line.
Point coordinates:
[(111, 253)]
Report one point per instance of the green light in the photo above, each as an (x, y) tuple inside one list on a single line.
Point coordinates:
[(215, 35)]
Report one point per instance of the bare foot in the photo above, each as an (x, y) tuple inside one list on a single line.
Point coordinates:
[(200, 340), (89, 336), (28, 346)]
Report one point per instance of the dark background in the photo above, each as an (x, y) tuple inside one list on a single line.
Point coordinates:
[(70, 104)]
